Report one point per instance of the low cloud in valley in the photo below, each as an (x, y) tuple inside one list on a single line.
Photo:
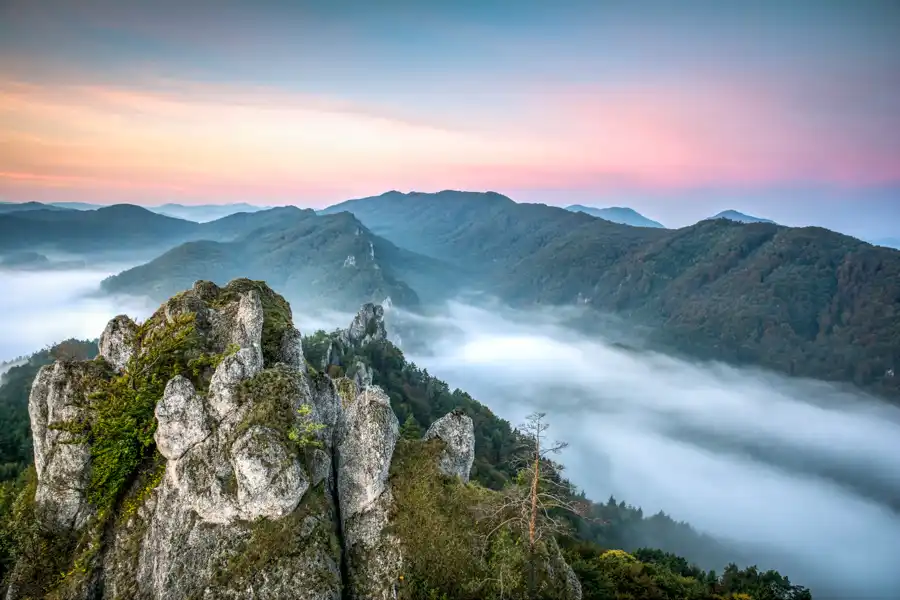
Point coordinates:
[(804, 475)]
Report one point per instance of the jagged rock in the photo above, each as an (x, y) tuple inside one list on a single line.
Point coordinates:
[(367, 434), (270, 480), (457, 432), (291, 352), (62, 462), (234, 509), (559, 569), (243, 364), (362, 375), (117, 342), (182, 419), (367, 325)]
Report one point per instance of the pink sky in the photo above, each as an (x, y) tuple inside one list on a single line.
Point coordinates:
[(316, 102), (193, 142)]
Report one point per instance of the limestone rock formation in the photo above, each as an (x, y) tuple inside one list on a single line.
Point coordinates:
[(61, 459), (264, 479), (117, 342), (367, 325), (457, 432), (367, 433)]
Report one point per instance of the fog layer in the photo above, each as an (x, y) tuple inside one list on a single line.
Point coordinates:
[(803, 475), (806, 478), (39, 308)]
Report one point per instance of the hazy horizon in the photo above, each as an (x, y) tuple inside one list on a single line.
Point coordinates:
[(790, 111)]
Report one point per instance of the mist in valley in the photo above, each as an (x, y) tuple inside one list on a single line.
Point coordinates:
[(803, 475)]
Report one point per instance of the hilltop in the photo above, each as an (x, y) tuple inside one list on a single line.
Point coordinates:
[(617, 214), (803, 301), (328, 260), (124, 230), (733, 215)]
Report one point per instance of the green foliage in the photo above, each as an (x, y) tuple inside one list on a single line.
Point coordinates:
[(40, 553), (410, 429), (802, 301), (121, 421), (657, 575), (315, 347), (305, 433), (417, 397)]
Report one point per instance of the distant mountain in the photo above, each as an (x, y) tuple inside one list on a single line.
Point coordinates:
[(117, 229), (15, 207), (733, 215), (202, 213), (804, 301), (76, 205), (120, 230), (617, 214), (332, 260)]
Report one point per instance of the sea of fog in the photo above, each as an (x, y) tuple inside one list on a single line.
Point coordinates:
[(803, 475)]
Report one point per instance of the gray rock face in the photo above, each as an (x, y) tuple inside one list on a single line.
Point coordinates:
[(367, 325), (457, 432), (62, 462), (292, 350), (182, 419), (270, 481), (362, 375), (117, 342), (367, 434), (237, 510)]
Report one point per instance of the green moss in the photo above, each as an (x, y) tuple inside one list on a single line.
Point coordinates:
[(285, 540), (346, 390), (121, 420), (270, 393), (148, 480), (41, 552), (277, 319)]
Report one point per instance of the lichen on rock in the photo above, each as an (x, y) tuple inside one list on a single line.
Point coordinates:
[(117, 342), (457, 432)]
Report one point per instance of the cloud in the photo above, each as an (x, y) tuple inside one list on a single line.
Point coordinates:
[(38, 309), (804, 475)]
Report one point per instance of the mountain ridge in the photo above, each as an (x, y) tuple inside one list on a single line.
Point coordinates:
[(794, 300), (617, 214)]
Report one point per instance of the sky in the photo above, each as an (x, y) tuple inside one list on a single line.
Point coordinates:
[(787, 109)]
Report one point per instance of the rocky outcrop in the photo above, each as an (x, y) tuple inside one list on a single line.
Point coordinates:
[(61, 457), (271, 480), (457, 432), (367, 433), (367, 326), (117, 342)]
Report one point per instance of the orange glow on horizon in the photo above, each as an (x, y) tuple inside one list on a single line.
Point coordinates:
[(208, 142)]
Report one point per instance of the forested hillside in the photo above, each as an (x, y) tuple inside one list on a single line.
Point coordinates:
[(803, 301)]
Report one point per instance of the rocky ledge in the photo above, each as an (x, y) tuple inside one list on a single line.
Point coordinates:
[(200, 456)]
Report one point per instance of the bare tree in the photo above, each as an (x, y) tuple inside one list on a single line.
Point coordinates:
[(539, 499)]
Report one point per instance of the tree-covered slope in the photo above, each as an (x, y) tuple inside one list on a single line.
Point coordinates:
[(802, 301), (331, 260)]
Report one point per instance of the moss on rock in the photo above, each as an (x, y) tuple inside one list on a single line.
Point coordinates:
[(277, 320)]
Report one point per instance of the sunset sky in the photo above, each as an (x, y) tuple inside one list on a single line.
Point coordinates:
[(789, 109)]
